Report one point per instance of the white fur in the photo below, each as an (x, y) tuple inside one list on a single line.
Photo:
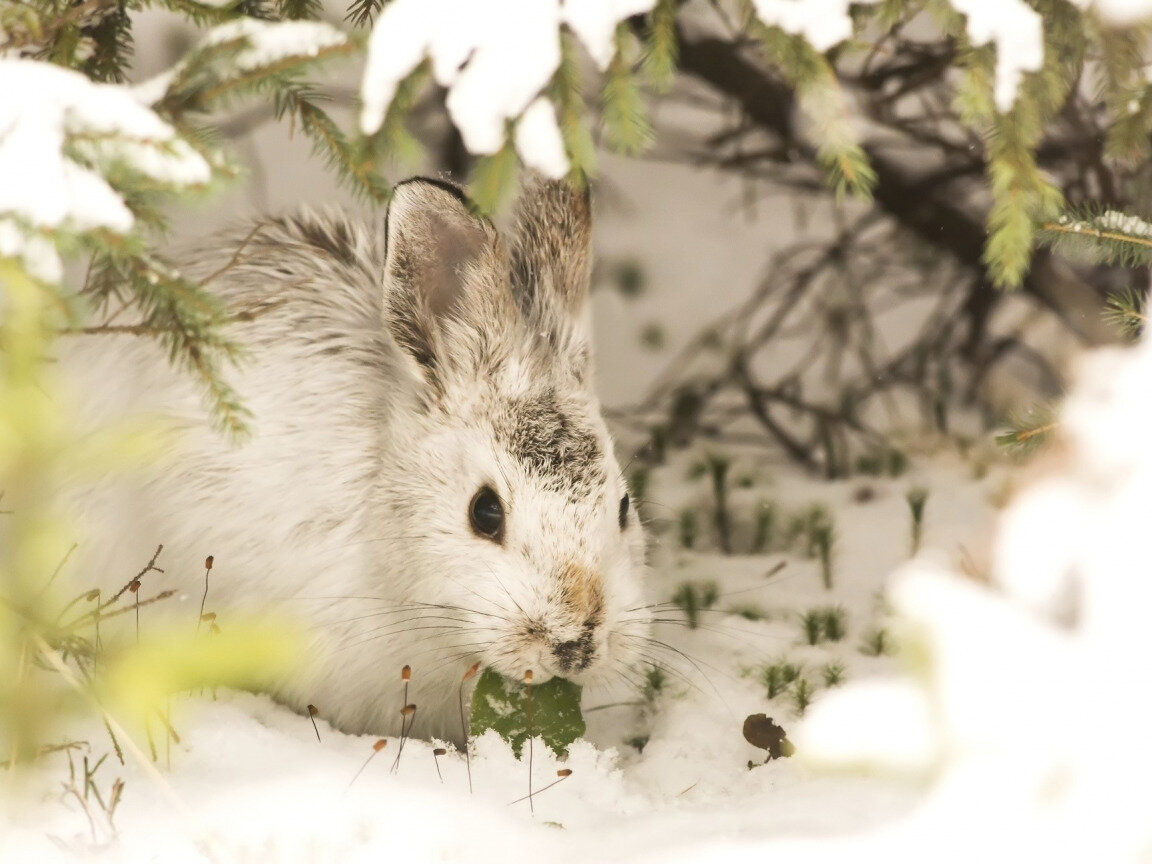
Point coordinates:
[(348, 506)]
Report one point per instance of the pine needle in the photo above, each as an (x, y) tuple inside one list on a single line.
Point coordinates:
[(1030, 431)]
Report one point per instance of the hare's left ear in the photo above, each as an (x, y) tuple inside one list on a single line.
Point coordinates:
[(551, 266), (446, 302)]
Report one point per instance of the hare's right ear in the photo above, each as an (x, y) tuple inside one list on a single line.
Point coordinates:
[(438, 268)]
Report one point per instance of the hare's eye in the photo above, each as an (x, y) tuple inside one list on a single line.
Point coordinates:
[(623, 512), (487, 514)]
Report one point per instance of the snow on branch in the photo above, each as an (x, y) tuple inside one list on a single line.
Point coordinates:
[(494, 57), (1016, 30), (268, 42), (61, 139)]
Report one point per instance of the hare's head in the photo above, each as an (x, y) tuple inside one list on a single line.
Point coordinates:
[(500, 470)]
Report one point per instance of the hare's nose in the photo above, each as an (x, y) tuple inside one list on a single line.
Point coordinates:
[(574, 655)]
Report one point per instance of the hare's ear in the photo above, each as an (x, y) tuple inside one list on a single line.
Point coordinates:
[(440, 264), (551, 262)]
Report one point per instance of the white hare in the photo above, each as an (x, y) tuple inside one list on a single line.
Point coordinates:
[(429, 480)]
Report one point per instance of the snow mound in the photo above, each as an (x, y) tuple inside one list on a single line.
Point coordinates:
[(1034, 686)]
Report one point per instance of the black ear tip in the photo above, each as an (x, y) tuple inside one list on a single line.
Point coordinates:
[(418, 186)]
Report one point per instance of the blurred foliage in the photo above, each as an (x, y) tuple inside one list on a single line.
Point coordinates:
[(55, 661)]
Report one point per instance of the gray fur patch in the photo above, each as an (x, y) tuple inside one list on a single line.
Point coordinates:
[(565, 454), (331, 236)]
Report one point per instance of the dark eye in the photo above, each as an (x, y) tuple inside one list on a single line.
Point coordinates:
[(623, 512), (487, 514)]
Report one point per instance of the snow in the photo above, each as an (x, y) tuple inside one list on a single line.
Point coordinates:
[(44, 108), (1017, 706), (494, 72), (268, 42), (1011, 25), (1111, 220), (1015, 728), (252, 780), (49, 116), (1066, 619), (1017, 32), (265, 43), (595, 21), (538, 139), (823, 23), (36, 253)]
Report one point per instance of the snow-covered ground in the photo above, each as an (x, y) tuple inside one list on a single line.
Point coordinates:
[(1014, 726), (250, 781)]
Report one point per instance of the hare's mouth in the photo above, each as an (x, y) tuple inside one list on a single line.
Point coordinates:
[(570, 653)]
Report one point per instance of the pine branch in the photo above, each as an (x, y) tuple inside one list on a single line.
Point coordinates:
[(1127, 310), (661, 47), (392, 141), (300, 10), (493, 178), (270, 77), (214, 75), (1100, 236), (626, 126), (567, 93), (352, 165), (821, 99), (185, 319), (361, 13), (1021, 196), (1030, 431), (112, 40)]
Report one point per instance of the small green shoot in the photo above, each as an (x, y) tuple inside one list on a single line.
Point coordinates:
[(808, 528), (917, 497), (628, 277), (639, 742), (835, 623), (696, 470), (812, 623), (801, 696), (877, 463), (833, 674), (823, 538), (765, 524), (638, 483), (870, 464), (876, 643), (897, 463), (718, 469), (694, 598), (828, 623), (689, 527), (750, 612), (777, 677), (652, 336), (655, 680)]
